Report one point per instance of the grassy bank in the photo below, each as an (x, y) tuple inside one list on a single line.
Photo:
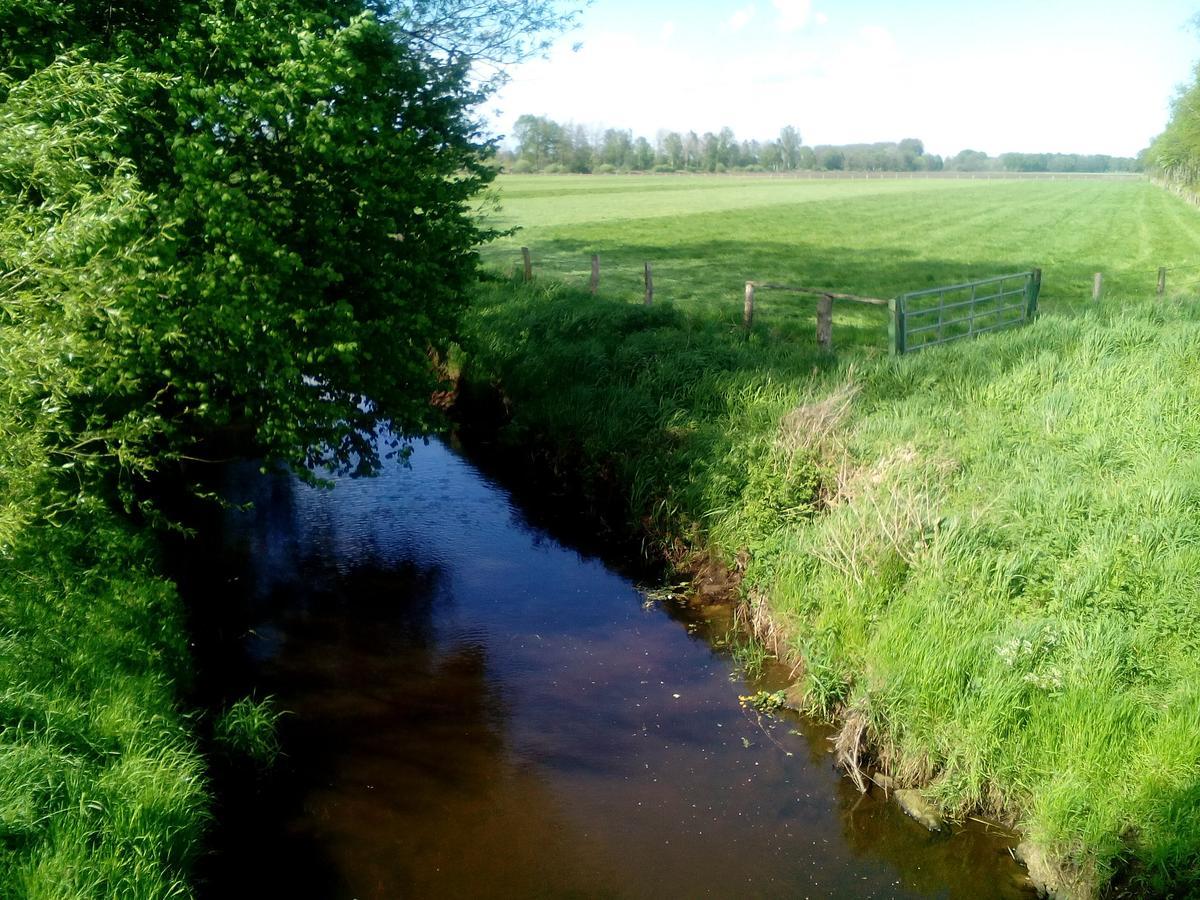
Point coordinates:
[(101, 791), (984, 555)]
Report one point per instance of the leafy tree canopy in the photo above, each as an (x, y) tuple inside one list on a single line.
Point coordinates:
[(299, 175)]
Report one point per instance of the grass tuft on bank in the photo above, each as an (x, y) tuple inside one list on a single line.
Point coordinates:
[(987, 556)]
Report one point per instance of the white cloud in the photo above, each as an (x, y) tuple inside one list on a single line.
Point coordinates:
[(879, 40), (793, 14), (668, 31), (820, 18), (740, 18)]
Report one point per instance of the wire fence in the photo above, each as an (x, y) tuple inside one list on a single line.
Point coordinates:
[(931, 316)]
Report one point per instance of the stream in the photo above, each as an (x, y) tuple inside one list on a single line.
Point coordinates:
[(480, 706)]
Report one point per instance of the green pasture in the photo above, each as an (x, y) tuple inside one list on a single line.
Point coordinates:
[(706, 236), (984, 554)]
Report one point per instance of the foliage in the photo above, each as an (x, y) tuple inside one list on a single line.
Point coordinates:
[(74, 255), (765, 701), (310, 175), (1175, 154), (495, 33), (101, 792), (1000, 575)]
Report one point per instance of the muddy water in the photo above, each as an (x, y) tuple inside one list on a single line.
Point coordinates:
[(478, 709)]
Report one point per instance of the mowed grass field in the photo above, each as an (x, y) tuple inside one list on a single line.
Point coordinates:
[(985, 557), (706, 236)]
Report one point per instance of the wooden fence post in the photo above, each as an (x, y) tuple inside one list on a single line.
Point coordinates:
[(594, 284), (825, 322), (1098, 286), (748, 309), (1162, 280), (528, 264), (1035, 289), (649, 285), (896, 325)]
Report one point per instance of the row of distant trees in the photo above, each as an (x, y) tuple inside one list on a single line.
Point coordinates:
[(1175, 154), (543, 145)]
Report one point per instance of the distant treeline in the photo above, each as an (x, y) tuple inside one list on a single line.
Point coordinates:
[(544, 145), (1175, 154)]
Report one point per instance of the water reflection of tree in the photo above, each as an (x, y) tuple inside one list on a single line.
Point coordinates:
[(397, 742)]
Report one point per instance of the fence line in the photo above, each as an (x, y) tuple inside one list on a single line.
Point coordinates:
[(902, 309)]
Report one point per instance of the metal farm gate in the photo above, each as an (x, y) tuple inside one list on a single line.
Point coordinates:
[(921, 319)]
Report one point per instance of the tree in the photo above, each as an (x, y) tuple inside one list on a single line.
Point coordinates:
[(969, 161), (582, 155), (710, 152), (789, 146), (540, 140), (772, 156), (691, 150), (830, 158), (312, 165), (491, 33), (75, 252), (910, 151), (673, 150), (643, 155), (727, 148)]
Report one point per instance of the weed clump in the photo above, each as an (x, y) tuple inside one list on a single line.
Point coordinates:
[(248, 730)]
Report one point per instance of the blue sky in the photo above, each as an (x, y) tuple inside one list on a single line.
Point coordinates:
[(1059, 75)]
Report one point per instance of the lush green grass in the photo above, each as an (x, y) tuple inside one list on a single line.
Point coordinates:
[(101, 789), (706, 236), (988, 555)]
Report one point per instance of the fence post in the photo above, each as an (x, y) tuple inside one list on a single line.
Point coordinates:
[(1162, 280), (649, 285), (594, 284), (1035, 288), (825, 322), (528, 264), (748, 309), (896, 324), (1098, 286)]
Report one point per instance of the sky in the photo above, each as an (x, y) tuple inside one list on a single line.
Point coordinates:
[(1059, 76)]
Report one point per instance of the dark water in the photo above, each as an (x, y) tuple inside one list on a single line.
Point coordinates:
[(477, 709)]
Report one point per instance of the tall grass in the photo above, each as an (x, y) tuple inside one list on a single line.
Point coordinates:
[(101, 789), (988, 555)]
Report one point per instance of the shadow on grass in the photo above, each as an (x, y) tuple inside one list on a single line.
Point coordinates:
[(714, 272), (710, 277)]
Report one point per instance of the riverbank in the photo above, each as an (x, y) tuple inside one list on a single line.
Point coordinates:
[(102, 788), (982, 557)]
